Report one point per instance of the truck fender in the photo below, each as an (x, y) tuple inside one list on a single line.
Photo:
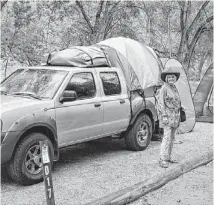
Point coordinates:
[(147, 108), (29, 122)]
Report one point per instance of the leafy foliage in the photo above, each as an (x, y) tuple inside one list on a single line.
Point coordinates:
[(180, 29)]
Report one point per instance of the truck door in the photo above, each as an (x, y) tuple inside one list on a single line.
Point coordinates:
[(83, 117), (115, 101)]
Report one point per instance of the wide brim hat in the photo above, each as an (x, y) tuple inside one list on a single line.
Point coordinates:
[(170, 71)]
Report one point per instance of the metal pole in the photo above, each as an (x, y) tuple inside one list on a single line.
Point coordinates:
[(47, 175)]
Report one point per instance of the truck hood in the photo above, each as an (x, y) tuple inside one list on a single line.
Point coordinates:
[(14, 108), (10, 103)]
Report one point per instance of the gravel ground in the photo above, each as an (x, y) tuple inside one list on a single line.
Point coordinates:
[(92, 170), (195, 187)]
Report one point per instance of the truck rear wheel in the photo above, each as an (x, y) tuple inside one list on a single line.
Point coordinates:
[(138, 137), (26, 164)]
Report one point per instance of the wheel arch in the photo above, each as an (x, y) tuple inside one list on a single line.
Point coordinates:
[(144, 111), (44, 129), (131, 136)]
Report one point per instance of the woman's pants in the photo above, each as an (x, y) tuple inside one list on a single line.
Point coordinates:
[(167, 143)]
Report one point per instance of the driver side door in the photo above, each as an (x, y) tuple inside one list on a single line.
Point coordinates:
[(81, 119)]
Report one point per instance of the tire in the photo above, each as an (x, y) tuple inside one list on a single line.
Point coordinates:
[(18, 169), (138, 137)]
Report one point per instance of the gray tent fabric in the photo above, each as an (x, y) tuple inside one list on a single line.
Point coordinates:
[(204, 91), (140, 57), (158, 59), (186, 97), (117, 60)]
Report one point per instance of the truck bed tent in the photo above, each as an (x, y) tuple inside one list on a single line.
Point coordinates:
[(185, 94), (203, 97), (140, 67), (142, 59)]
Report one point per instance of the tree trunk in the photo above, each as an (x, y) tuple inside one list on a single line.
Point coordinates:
[(201, 63), (194, 41), (187, 47), (169, 36), (183, 21)]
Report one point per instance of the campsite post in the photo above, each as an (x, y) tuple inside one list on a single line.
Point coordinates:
[(47, 175)]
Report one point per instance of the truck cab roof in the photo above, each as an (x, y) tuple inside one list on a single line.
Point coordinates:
[(69, 68)]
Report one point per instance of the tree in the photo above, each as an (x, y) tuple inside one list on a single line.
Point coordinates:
[(110, 17), (181, 37), (191, 31), (182, 29)]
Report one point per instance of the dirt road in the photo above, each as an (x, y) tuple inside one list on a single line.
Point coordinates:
[(92, 170)]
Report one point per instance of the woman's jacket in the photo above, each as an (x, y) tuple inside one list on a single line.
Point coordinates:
[(168, 106)]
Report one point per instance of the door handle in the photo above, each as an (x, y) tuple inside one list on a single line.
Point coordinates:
[(97, 105), (122, 101)]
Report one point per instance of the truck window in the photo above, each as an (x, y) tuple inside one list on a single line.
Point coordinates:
[(111, 83), (83, 84)]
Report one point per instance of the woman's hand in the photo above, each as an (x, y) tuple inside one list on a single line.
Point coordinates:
[(165, 120)]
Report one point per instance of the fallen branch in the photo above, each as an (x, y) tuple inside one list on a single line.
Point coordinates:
[(132, 193)]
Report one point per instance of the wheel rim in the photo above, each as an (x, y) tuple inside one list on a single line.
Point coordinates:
[(33, 160), (142, 133)]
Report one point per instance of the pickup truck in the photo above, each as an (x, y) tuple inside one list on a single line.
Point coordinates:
[(65, 106)]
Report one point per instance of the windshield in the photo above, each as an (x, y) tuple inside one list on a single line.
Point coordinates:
[(36, 83)]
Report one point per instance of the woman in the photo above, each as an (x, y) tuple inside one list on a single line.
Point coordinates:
[(168, 108)]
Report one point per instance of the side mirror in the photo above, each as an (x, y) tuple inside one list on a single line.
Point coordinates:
[(68, 96)]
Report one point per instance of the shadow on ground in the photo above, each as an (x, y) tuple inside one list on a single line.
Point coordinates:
[(80, 153)]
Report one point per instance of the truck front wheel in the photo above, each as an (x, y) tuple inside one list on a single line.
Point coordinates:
[(26, 164), (138, 137)]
